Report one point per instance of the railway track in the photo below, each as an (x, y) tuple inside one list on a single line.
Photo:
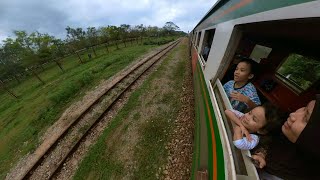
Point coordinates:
[(50, 156)]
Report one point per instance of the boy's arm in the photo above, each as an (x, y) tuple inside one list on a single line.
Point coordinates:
[(250, 103), (243, 98)]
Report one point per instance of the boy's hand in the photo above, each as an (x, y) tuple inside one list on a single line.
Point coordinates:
[(261, 159), (239, 97)]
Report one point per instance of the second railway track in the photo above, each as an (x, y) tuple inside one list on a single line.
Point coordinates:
[(50, 156)]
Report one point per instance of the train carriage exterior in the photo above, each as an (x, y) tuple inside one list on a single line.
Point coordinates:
[(274, 33)]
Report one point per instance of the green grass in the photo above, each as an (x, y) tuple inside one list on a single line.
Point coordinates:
[(150, 153), (24, 120), (158, 41)]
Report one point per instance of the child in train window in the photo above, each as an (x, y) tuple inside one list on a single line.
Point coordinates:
[(259, 121), (206, 51), (240, 91)]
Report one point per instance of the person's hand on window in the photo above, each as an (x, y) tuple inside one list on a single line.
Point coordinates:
[(260, 158)]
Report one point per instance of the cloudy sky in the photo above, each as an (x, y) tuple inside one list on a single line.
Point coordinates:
[(53, 16)]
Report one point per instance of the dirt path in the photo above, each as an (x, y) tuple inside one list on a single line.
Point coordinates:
[(181, 144)]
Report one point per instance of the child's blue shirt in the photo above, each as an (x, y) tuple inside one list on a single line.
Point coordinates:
[(248, 90)]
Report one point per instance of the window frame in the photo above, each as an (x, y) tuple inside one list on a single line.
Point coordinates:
[(293, 86)]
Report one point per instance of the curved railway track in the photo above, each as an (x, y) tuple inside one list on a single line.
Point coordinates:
[(50, 156)]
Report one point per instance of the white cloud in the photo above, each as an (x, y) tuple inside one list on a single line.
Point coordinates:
[(53, 16)]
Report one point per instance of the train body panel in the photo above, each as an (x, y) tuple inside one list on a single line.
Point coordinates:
[(278, 35), (208, 150)]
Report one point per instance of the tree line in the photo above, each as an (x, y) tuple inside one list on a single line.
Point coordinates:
[(26, 52)]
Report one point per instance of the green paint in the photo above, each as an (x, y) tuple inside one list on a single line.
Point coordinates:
[(196, 155), (210, 150), (256, 6), (199, 123), (219, 151)]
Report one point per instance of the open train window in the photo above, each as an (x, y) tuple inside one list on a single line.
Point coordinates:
[(242, 165), (194, 36), (207, 43), (299, 72), (198, 39)]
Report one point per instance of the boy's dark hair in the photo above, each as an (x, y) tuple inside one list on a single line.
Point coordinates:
[(252, 63), (273, 118)]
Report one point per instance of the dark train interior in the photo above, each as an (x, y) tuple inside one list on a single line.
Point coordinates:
[(288, 72), (289, 60)]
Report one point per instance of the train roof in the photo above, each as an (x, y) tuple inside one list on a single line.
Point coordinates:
[(225, 10)]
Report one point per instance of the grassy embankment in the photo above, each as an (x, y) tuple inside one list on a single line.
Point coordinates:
[(24, 120), (134, 144)]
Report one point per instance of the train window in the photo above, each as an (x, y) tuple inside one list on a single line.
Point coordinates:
[(299, 72), (223, 103), (198, 39), (207, 43)]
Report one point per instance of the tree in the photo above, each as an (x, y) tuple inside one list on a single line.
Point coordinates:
[(26, 51), (114, 33), (58, 49), (10, 64), (152, 31), (301, 69), (58, 52), (170, 27), (104, 36), (76, 37), (92, 36), (43, 45), (124, 32), (75, 40)]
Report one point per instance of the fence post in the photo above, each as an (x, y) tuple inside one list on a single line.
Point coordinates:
[(117, 45), (35, 74), (8, 91), (106, 45), (79, 57), (56, 61), (124, 42), (94, 52)]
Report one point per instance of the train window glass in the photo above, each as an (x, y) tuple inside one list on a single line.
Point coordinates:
[(198, 39), (207, 43), (260, 52), (299, 72)]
